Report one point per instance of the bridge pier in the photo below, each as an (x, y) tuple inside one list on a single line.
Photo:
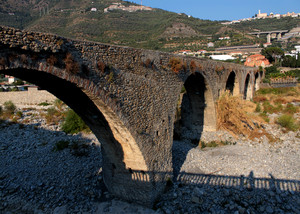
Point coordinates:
[(268, 38)]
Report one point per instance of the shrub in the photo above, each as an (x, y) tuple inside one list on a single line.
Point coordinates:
[(9, 107), (19, 114), (101, 66), (44, 104), (59, 104), (287, 121), (280, 100), (258, 108), (52, 60), (73, 123), (176, 64), (53, 116), (291, 109), (268, 108), (111, 77), (265, 117), (193, 66), (71, 65), (259, 99)]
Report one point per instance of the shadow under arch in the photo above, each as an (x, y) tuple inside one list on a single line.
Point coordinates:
[(247, 88), (120, 152), (195, 114), (232, 84), (256, 81)]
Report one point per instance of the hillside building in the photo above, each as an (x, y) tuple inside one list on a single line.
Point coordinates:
[(261, 15), (256, 60)]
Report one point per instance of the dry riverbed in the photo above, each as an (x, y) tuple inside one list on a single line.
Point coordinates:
[(244, 177)]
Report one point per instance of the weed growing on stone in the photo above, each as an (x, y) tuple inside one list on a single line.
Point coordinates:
[(176, 64), (71, 65)]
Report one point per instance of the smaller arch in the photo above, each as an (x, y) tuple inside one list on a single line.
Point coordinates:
[(247, 88), (256, 81), (232, 84), (197, 109)]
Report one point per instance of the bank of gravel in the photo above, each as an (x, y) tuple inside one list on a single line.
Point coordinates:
[(248, 177)]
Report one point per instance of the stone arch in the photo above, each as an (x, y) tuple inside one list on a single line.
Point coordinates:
[(232, 84), (261, 75), (121, 154), (197, 109), (247, 88), (256, 81)]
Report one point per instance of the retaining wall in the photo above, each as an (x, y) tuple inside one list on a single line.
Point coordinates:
[(27, 97)]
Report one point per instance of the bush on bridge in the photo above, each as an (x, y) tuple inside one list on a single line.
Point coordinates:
[(71, 65)]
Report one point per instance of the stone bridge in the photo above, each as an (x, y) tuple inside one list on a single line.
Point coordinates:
[(135, 101)]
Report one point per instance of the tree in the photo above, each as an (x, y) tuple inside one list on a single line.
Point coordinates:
[(289, 61), (273, 54)]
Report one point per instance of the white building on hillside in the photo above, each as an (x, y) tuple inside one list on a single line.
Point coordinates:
[(222, 57)]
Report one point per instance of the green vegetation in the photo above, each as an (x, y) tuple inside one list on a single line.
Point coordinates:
[(267, 24), (9, 107), (291, 109), (273, 54), (157, 29), (73, 123), (276, 91), (287, 121), (44, 104)]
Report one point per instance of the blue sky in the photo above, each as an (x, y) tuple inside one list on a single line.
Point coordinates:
[(224, 9)]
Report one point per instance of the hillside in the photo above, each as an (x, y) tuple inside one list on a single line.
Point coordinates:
[(154, 29), (286, 23)]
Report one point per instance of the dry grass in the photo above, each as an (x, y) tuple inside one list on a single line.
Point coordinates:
[(176, 65), (101, 66), (71, 65), (233, 117), (52, 60)]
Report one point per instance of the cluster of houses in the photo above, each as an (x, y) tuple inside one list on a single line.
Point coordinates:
[(264, 16), (252, 59), (131, 8), (8, 85)]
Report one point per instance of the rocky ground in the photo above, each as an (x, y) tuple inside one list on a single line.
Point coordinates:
[(244, 177)]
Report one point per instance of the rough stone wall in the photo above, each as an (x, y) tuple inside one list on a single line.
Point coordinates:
[(27, 97)]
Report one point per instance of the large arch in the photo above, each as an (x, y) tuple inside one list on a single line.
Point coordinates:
[(232, 84), (120, 152), (197, 109)]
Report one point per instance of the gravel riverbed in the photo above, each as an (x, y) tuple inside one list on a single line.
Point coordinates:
[(247, 177)]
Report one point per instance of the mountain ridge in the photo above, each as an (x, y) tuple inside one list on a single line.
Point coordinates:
[(156, 29)]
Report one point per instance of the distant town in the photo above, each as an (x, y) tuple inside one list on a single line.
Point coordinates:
[(261, 15)]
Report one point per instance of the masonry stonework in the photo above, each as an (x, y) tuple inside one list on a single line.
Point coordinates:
[(127, 96)]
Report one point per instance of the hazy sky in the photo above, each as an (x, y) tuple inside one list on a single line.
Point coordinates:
[(224, 9)]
